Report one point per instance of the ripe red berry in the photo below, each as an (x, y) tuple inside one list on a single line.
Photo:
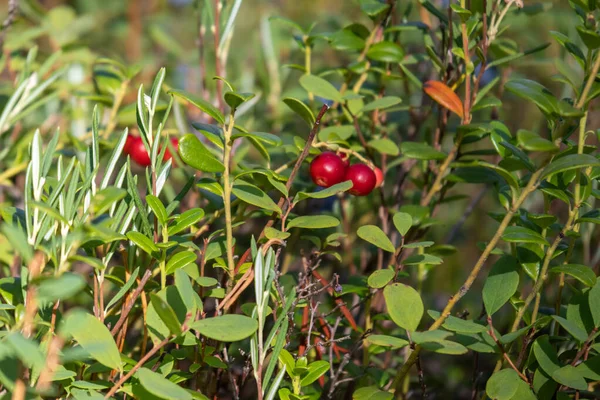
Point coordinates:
[(378, 176), (363, 179), (137, 151), (327, 169), (175, 144)]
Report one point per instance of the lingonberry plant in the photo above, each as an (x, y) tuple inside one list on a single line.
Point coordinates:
[(399, 211)]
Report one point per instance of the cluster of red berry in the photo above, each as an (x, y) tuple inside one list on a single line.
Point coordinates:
[(328, 169), (134, 147)]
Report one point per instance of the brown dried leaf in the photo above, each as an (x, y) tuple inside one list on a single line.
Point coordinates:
[(444, 96)]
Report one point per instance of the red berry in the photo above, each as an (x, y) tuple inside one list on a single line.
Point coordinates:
[(363, 179), (327, 169), (378, 176), (138, 152), (128, 142), (175, 144)]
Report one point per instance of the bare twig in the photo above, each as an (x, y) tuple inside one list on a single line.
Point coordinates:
[(130, 304), (504, 354)]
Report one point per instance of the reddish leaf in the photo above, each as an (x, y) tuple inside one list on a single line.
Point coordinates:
[(444, 96)]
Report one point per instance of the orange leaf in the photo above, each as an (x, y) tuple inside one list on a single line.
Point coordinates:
[(444, 96)]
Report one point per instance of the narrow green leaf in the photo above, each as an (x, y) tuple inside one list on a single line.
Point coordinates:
[(166, 314), (566, 163), (301, 109), (160, 386), (582, 273), (254, 195), (226, 328), (180, 260), (158, 208), (196, 155), (142, 241), (313, 222), (200, 104)]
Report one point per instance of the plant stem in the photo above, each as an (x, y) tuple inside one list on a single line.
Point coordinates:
[(530, 188), (137, 366), (543, 273), (227, 196)]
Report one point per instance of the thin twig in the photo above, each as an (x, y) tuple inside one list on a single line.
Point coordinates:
[(504, 354), (127, 309), (137, 366)]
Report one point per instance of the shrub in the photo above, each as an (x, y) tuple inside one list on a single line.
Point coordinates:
[(181, 243)]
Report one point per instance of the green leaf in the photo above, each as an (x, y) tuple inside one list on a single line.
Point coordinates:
[(158, 208), (301, 109), (520, 234), (445, 347), (387, 341), (325, 193), (27, 350), (541, 97), (370, 392), (201, 104), (590, 368), (186, 219), (384, 146), (533, 142), (421, 151), (226, 328), (142, 242), (160, 386), (422, 259), (313, 222), (594, 301), (180, 260), (196, 155), (569, 162), (459, 325), (93, 337), (315, 371), (402, 221), (320, 87), (502, 385), (380, 278), (545, 355), (236, 99), (272, 233), (58, 288), (254, 195), (404, 305), (571, 377), (574, 329), (382, 103), (582, 273), (386, 52), (336, 132), (166, 314), (501, 284), (375, 235)]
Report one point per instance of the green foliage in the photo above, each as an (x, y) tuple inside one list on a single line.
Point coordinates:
[(205, 262)]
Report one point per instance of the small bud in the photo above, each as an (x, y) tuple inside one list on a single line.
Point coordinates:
[(338, 288)]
